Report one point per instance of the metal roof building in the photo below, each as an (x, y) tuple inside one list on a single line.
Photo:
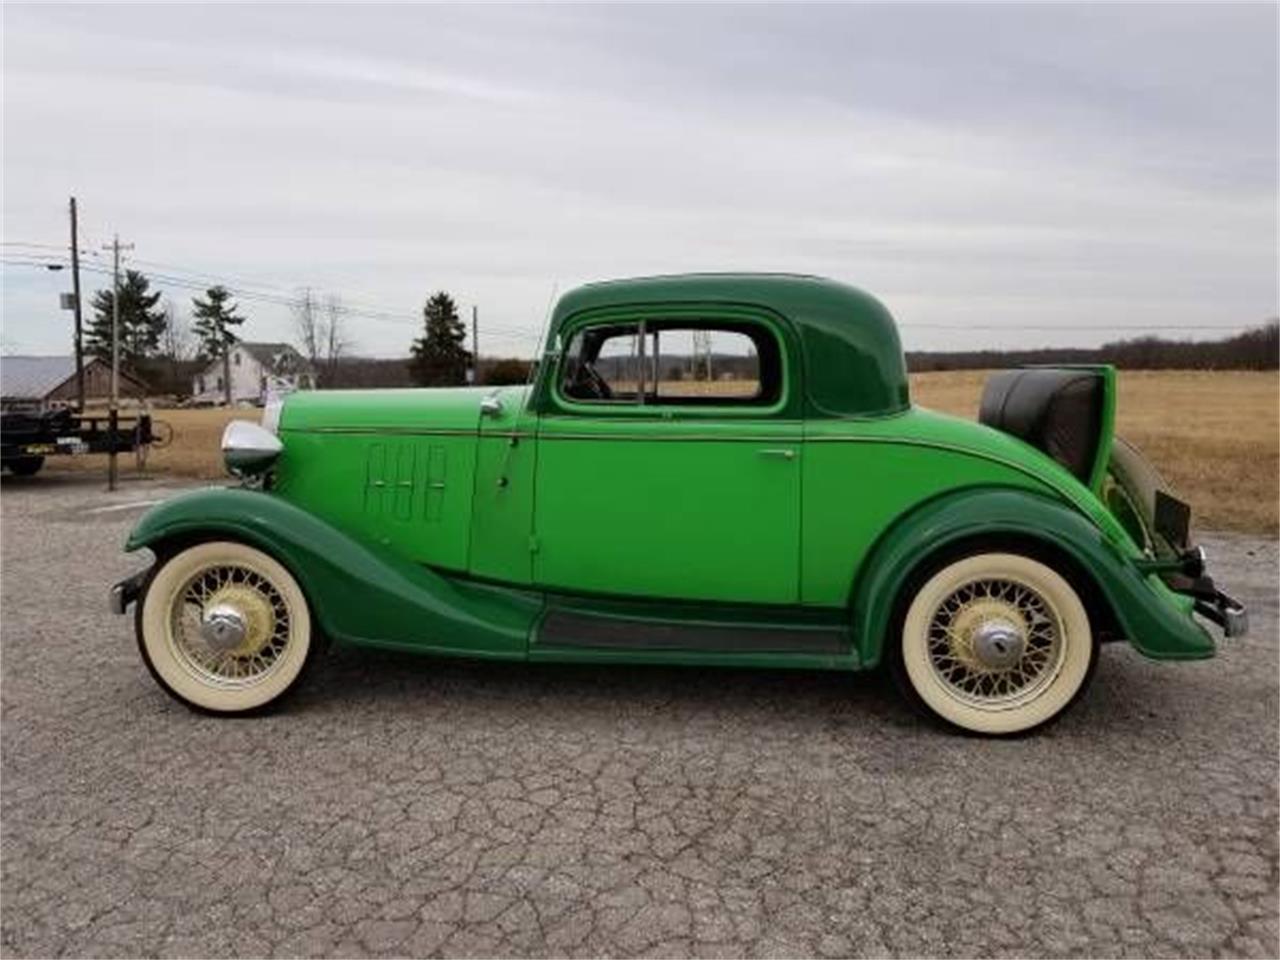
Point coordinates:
[(38, 383)]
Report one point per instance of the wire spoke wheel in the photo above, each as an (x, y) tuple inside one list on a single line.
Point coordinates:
[(996, 643), (224, 627), (232, 592)]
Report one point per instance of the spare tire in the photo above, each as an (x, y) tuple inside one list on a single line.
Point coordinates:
[(1057, 410)]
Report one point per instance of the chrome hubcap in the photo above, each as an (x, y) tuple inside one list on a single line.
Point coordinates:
[(998, 644), (230, 625), (995, 643), (223, 627)]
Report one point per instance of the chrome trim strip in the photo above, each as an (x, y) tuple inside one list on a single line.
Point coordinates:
[(687, 438), (375, 430)]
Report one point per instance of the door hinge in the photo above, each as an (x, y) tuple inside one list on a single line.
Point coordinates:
[(533, 544)]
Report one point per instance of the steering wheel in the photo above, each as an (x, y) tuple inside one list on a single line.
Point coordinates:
[(595, 384)]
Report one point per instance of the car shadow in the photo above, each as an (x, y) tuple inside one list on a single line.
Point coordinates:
[(1125, 695), (347, 677)]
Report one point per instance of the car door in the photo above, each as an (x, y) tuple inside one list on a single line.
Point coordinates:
[(665, 469)]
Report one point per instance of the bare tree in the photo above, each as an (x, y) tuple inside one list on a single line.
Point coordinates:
[(176, 344), (334, 329), (306, 323), (321, 329)]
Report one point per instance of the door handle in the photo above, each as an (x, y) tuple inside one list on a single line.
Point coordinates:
[(779, 452)]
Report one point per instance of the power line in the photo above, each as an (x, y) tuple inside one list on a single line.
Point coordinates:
[(273, 289), (187, 278), (190, 282), (241, 287)]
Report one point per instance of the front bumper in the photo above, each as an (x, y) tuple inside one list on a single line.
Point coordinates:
[(127, 591)]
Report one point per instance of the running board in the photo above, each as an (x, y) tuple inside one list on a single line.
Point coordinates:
[(574, 629)]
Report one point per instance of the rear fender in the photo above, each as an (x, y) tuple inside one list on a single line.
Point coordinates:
[(1151, 616), (359, 593)]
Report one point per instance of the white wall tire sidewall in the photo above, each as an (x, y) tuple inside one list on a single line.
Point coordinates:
[(1077, 640), (156, 630)]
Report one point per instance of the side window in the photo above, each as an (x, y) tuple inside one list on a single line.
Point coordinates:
[(701, 364), (602, 364), (673, 363)]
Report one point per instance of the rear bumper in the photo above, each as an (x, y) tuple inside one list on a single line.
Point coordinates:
[(1208, 601), (1181, 590), (1231, 615)]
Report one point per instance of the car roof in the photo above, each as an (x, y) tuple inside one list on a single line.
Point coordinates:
[(852, 355)]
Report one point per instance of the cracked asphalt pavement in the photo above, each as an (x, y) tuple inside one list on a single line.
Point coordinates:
[(409, 806)]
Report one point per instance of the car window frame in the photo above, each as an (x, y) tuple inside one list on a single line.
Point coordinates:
[(634, 409)]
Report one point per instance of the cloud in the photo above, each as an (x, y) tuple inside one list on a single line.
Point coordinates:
[(1082, 167)]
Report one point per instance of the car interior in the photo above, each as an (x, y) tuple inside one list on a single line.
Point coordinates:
[(673, 363)]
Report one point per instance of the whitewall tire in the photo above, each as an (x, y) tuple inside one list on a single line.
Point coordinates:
[(224, 628), (996, 643)]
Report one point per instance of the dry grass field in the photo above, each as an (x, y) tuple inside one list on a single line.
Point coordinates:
[(193, 451), (1214, 436)]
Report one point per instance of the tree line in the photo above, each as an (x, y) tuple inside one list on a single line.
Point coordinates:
[(166, 352), (1257, 348)]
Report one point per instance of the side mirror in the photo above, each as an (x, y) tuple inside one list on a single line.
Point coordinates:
[(490, 406)]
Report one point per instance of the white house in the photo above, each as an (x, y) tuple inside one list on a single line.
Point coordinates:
[(258, 371)]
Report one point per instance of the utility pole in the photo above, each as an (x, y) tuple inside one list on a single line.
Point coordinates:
[(226, 358), (702, 352), (75, 281), (475, 345), (113, 412)]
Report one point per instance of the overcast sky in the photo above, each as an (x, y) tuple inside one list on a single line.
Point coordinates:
[(998, 175)]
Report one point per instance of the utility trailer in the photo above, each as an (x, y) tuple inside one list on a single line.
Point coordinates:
[(27, 438)]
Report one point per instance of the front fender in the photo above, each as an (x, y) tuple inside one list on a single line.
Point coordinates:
[(1154, 619), (359, 593)]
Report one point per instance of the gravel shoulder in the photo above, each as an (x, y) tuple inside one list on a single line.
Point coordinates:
[(408, 806)]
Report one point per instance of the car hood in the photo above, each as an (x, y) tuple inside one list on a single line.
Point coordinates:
[(435, 408)]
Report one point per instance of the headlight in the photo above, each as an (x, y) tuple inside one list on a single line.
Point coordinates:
[(249, 449), (271, 416)]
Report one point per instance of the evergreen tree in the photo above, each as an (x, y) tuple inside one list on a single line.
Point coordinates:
[(142, 323), (439, 357), (213, 320)]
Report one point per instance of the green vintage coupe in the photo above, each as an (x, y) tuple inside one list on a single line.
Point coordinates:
[(710, 470)]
